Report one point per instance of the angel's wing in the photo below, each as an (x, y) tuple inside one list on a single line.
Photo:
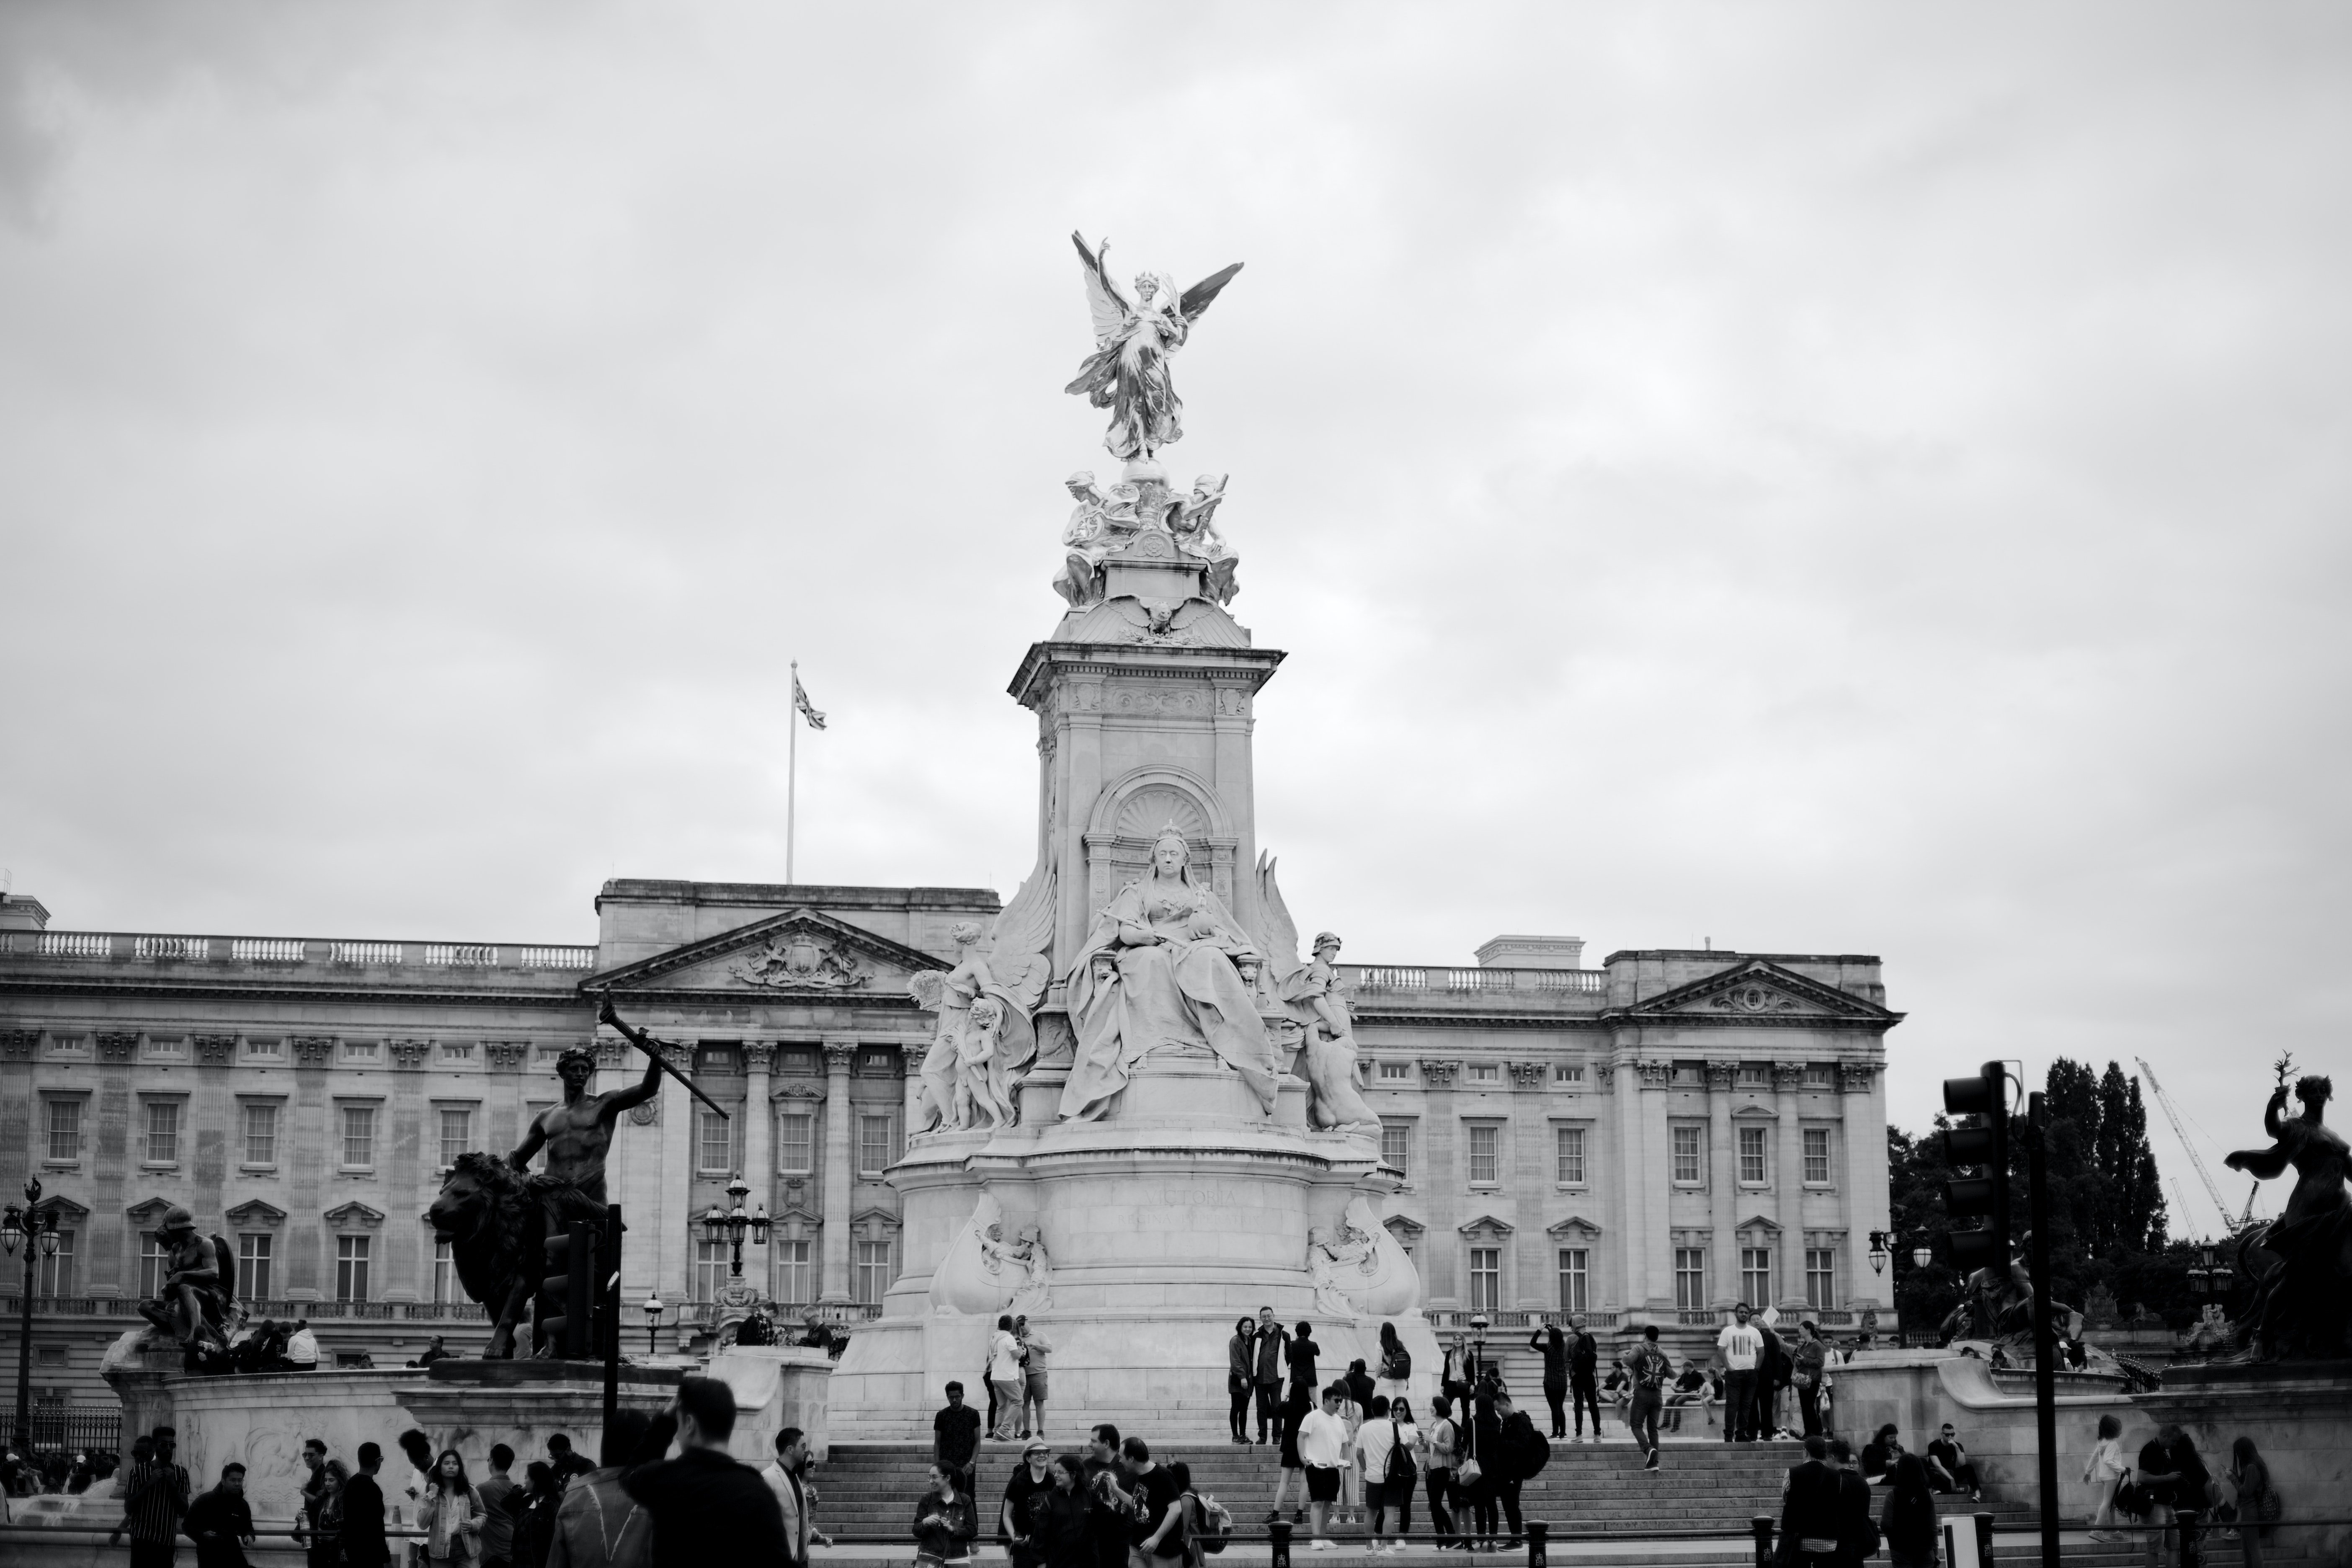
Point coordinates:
[(1110, 311), (1279, 939), (1197, 298)]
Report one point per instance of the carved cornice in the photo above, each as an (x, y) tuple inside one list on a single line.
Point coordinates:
[(410, 1054), (758, 1055), (1756, 994), (1402, 1228), (1488, 1225), (798, 1091), (1574, 1225), (147, 1211), (313, 1050), (216, 1051), (839, 1058), (1655, 1075), (610, 1052), (116, 1047), (253, 1211), (1721, 1077), (16, 1045), (1438, 1073), (505, 1055), (1787, 1076), (344, 1216), (1528, 1075), (1855, 1078)]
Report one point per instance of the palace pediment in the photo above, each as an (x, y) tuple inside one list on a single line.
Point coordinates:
[(1757, 992), (801, 952)]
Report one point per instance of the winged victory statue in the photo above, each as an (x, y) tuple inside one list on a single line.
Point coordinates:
[(1135, 332)]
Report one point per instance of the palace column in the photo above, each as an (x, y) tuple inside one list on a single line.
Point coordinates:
[(1658, 1238), (1722, 1181), (1863, 1190), (1632, 1182), (840, 1161), (759, 1124), (1789, 1197)]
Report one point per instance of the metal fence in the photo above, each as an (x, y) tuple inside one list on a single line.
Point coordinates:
[(57, 1428)]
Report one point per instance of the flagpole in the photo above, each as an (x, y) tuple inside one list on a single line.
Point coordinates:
[(792, 766)]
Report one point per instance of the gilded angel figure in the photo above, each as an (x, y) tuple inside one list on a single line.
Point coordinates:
[(1134, 334)]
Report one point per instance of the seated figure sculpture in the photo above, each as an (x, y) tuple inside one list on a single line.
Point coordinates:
[(1331, 1046), (1171, 979), (193, 1300), (984, 1041)]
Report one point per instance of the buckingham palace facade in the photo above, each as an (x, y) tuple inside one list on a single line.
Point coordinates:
[(1647, 1141)]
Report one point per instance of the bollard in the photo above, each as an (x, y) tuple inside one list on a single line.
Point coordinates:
[(1536, 1531), (1279, 1531), (1762, 1525), (2192, 1550), (1984, 1537)]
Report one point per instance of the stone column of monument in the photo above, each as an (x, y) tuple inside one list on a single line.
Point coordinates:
[(759, 1133), (1723, 1180), (1789, 1181), (1867, 1204), (840, 1166)]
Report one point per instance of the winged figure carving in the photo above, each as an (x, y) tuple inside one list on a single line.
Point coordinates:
[(1135, 332)]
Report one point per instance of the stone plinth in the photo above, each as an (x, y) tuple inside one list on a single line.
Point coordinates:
[(2299, 1415), (775, 1387), (1920, 1390)]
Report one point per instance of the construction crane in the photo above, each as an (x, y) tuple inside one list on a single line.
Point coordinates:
[(2165, 1100)]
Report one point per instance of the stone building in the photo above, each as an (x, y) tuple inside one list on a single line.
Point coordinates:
[(1647, 1141)]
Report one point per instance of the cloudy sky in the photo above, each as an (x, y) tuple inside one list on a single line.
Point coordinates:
[(1802, 477)]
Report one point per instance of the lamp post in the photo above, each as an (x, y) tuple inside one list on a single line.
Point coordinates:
[(37, 1229), (731, 1225), (653, 1310)]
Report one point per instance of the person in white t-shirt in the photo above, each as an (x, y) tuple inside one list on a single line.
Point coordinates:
[(1742, 1344), (1323, 1451), (302, 1348), (1004, 1378), (1386, 1426)]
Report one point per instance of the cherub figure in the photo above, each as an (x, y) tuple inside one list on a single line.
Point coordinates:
[(983, 1088), (1100, 525), (1192, 522)]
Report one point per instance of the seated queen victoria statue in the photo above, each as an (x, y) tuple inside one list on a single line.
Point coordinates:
[(1160, 969)]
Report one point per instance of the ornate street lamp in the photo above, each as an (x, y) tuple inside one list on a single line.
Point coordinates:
[(1922, 1254), (37, 1228), (734, 1223), (1880, 1244), (653, 1310)]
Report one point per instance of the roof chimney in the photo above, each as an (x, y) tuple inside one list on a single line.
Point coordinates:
[(1531, 953)]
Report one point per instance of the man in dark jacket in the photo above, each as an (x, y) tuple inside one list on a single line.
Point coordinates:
[(221, 1523), (1810, 1515), (1584, 1377), (1858, 1530), (1271, 1342), (706, 1508), (1519, 1451), (363, 1545)]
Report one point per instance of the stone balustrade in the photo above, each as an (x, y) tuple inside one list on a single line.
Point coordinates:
[(131, 947), (1407, 977)]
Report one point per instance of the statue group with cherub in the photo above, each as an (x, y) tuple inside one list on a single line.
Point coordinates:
[(984, 1043)]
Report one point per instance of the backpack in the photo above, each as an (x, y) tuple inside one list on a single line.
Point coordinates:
[(1533, 1453), (1397, 1366), (1399, 1471), (1216, 1524)]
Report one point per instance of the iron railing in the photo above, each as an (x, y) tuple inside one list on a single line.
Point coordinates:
[(64, 1429)]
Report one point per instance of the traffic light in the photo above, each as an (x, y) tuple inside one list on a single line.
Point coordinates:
[(1985, 1147), (570, 1286)]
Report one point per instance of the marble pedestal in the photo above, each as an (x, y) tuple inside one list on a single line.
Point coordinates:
[(1185, 1208), (2299, 1415)]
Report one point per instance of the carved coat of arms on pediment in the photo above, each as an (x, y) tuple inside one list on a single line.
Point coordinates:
[(801, 961), (1754, 998)]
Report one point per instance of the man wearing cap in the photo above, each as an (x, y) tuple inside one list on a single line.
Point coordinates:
[(1014, 1530)]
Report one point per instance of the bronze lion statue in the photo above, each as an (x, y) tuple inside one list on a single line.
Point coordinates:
[(490, 1218)]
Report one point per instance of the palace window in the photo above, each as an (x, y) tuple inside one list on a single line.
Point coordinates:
[(170, 1047), (710, 1268), (457, 1132), (1485, 1072), (1752, 1164), (796, 1142), (253, 1261), (1690, 1279), (873, 1272), (1756, 1275), (64, 1128), (1755, 1075), (54, 1273), (457, 1050), (362, 1051), (1396, 1072), (152, 1255), (1817, 1155), (796, 1284), (1820, 1075), (1568, 1072), (352, 1267), (1689, 1156), (1690, 1075), (1820, 1276), (876, 1149), (717, 1059), (261, 1135), (445, 1272), (359, 1148), (163, 1132), (1486, 1278), (1575, 1277), (714, 1143), (1396, 1146), (267, 1049), (1569, 1152), (1485, 1155)]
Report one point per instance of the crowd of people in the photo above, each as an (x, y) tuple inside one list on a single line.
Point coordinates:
[(58, 1472)]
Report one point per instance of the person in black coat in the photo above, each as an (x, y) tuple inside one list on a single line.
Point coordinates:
[(1553, 1346), (1858, 1530), (1810, 1517), (1062, 1518), (221, 1523), (1299, 1354), (1909, 1521), (706, 1508), (1520, 1454), (363, 1543)]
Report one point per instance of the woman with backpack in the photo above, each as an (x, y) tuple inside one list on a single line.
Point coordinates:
[(1396, 1365), (1400, 1473)]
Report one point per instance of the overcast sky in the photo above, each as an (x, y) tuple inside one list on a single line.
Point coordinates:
[(1807, 478)]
